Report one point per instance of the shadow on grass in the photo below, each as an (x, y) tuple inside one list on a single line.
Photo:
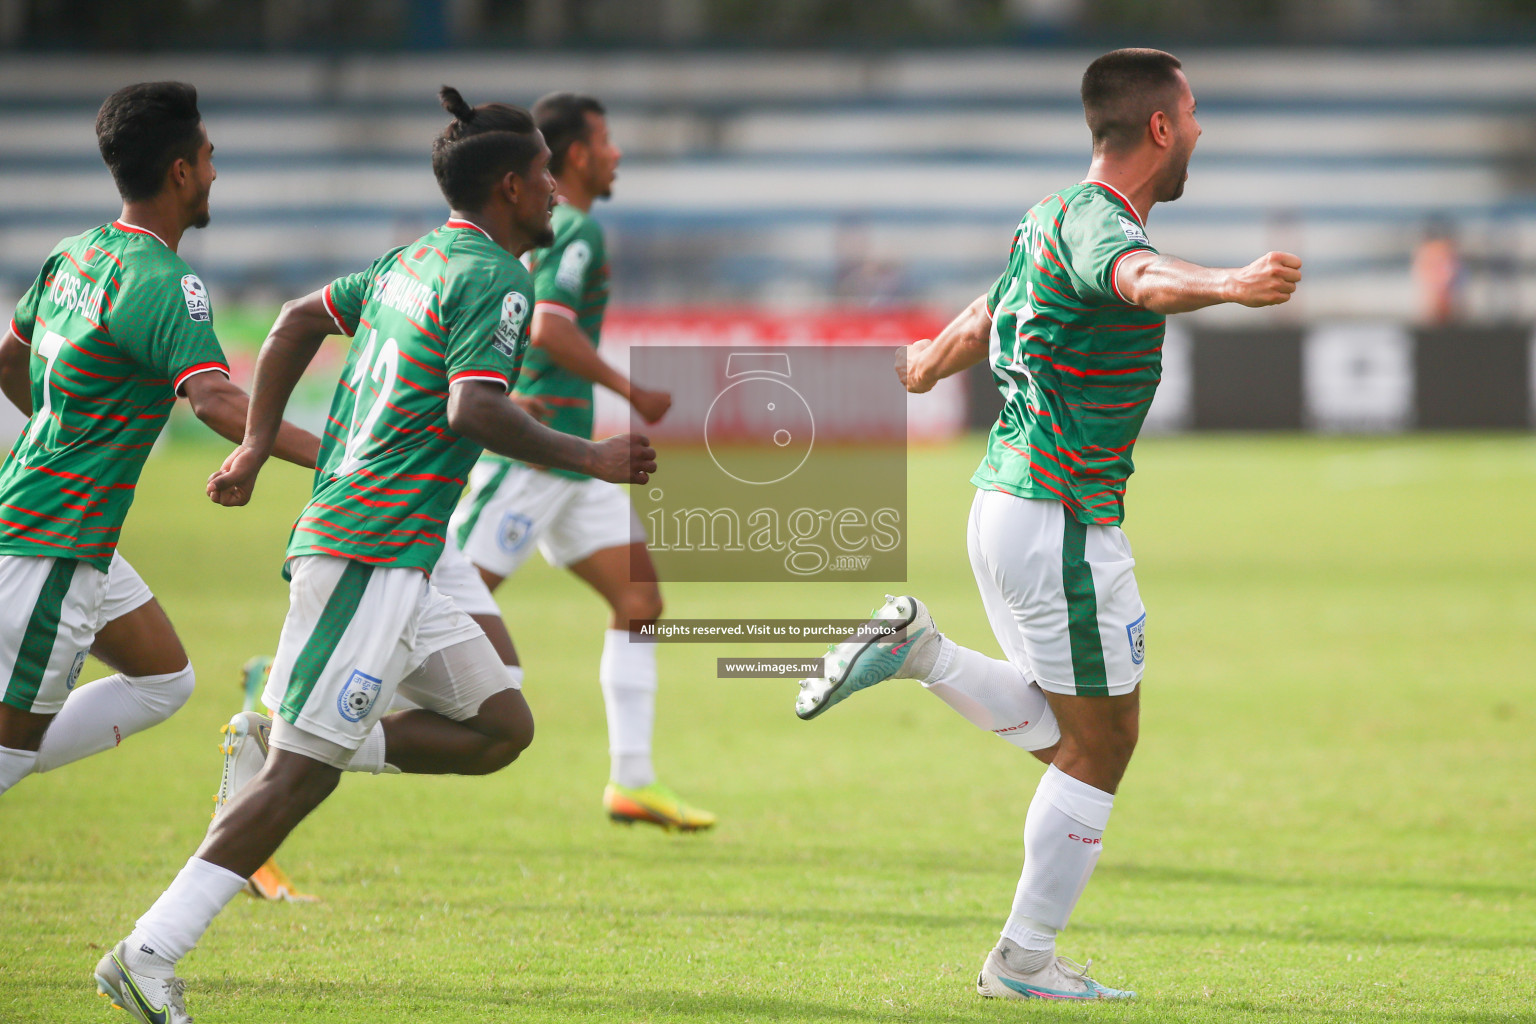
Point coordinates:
[(337, 1001), (1304, 935), (904, 919), (1169, 874)]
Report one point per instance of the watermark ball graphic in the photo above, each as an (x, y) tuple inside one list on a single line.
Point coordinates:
[(770, 423)]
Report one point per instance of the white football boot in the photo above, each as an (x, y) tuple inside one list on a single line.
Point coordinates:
[(866, 658), (148, 999), (244, 746), (1058, 979)]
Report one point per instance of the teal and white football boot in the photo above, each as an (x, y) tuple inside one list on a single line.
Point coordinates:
[(148, 999), (866, 658), (1059, 979)]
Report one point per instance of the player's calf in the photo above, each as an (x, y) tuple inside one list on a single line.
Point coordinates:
[(259, 818)]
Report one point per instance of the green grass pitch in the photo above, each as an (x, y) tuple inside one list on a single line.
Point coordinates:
[(1331, 816)]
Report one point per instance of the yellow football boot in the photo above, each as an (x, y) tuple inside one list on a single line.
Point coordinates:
[(655, 804)]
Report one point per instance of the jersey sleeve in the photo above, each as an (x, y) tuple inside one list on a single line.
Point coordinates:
[(1010, 273), (345, 297), (995, 293), (487, 316), (165, 323), (24, 320), (1096, 234), (562, 270)]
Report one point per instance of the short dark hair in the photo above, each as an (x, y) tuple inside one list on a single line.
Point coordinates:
[(1122, 90), (143, 129), (479, 146), (562, 117)]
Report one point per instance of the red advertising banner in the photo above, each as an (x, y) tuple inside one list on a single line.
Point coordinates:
[(937, 415)]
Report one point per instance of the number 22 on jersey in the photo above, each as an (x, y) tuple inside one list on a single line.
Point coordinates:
[(381, 369)]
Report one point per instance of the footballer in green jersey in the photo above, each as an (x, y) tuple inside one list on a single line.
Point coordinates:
[(585, 525), (571, 280), (1073, 332), (114, 329), (437, 332)]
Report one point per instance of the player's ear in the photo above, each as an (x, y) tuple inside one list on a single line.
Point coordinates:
[(178, 174), (510, 187)]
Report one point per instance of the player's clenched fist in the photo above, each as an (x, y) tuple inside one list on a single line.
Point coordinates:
[(1267, 281), (915, 371), (651, 405), (236, 479), (624, 459)]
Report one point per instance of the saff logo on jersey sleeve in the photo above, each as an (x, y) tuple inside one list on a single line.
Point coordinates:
[(196, 294), (514, 313), (1133, 231), (573, 266)]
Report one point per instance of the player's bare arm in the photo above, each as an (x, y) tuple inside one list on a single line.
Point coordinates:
[(535, 406), (1167, 284), (572, 351), (959, 346), (14, 379), (482, 412), (291, 344), (224, 407)]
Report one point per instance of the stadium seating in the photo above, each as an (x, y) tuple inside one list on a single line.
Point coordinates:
[(800, 179)]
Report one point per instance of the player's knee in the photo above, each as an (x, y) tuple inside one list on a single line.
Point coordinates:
[(166, 693), (500, 751), (1125, 734), (515, 738), (638, 606), (1112, 746), (508, 731)]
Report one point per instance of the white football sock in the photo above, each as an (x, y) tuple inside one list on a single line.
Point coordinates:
[(15, 765), (627, 673), (1062, 841), (180, 916), (100, 715), (370, 756), (992, 695)]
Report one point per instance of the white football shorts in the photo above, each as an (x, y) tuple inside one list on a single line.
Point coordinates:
[(1061, 596), (509, 509), (354, 635), (460, 582), (52, 611)]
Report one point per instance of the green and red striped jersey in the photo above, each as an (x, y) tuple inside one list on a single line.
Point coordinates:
[(570, 279), (1076, 363), (116, 322), (452, 305)]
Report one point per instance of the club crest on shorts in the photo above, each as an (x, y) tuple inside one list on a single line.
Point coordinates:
[(515, 530), (357, 696), (74, 670), (1137, 632)]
